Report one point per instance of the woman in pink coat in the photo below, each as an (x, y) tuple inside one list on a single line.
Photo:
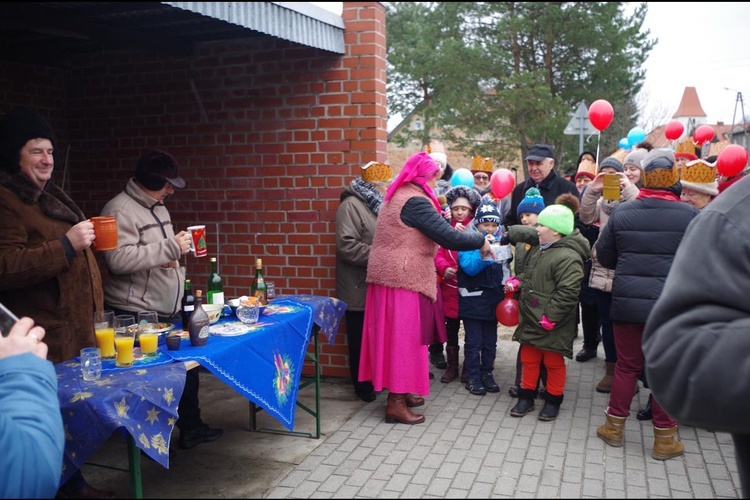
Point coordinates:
[(463, 203)]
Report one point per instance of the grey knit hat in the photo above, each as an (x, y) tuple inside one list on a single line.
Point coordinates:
[(611, 162), (635, 157)]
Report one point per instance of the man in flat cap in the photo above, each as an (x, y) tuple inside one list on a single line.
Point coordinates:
[(541, 166)]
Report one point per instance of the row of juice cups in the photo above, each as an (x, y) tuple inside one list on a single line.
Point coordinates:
[(115, 335)]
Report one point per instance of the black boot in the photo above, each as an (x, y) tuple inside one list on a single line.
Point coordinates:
[(476, 387), (645, 412), (525, 403), (551, 407), (437, 359)]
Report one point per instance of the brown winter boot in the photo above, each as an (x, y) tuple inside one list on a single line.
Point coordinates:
[(666, 445), (412, 401), (605, 384), (452, 371), (397, 411), (611, 432)]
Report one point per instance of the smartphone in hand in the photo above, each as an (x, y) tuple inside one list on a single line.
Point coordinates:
[(7, 320)]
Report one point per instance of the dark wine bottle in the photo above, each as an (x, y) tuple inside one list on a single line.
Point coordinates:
[(188, 304)]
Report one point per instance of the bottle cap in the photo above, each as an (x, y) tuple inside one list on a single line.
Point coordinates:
[(213, 259)]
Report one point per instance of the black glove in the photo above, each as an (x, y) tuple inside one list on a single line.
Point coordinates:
[(505, 239)]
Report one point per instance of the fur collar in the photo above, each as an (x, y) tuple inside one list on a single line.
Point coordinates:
[(52, 200)]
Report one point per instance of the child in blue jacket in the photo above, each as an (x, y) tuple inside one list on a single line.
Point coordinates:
[(480, 290)]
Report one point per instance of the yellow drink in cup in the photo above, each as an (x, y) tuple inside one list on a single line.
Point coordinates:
[(105, 340), (149, 343), (124, 344)]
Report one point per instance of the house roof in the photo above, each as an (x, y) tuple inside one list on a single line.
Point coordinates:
[(58, 30), (690, 105)]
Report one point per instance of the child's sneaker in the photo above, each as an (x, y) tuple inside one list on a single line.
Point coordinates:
[(476, 387)]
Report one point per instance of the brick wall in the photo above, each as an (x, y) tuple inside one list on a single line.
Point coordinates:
[(267, 133)]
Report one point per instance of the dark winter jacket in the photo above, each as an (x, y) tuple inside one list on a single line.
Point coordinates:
[(697, 338), (550, 188), (550, 285), (639, 242)]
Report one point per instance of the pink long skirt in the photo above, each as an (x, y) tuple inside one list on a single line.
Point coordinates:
[(398, 326)]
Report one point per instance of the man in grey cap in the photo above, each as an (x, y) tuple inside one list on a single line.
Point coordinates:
[(145, 271), (541, 165)]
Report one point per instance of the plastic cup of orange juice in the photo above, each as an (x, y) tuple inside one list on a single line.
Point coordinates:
[(125, 330)]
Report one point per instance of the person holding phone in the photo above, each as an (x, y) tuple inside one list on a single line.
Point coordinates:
[(33, 437), (47, 268)]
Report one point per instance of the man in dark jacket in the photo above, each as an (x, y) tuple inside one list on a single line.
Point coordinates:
[(541, 162), (639, 242), (696, 340)]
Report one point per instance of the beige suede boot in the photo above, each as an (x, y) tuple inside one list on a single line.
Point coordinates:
[(611, 432), (666, 445)]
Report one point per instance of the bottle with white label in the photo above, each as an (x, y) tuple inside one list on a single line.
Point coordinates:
[(198, 323)]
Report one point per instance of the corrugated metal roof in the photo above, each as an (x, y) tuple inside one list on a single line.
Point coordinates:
[(300, 22)]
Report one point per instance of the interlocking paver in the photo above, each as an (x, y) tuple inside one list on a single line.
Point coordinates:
[(470, 447)]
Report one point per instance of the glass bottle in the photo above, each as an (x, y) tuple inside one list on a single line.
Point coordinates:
[(188, 304), (198, 323), (259, 288), (215, 287)]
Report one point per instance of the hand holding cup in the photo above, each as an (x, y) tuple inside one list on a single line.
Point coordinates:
[(183, 241), (81, 235)]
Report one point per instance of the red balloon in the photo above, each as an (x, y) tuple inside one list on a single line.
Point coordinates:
[(502, 182), (732, 160), (507, 310), (673, 130), (702, 134), (601, 114)]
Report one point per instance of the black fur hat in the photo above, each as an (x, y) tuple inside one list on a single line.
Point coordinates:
[(17, 127)]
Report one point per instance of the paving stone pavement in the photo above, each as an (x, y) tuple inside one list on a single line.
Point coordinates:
[(470, 447)]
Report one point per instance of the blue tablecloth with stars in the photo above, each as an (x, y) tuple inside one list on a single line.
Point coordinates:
[(264, 365), (142, 400)]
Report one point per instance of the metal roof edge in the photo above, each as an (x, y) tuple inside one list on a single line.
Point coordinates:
[(301, 23)]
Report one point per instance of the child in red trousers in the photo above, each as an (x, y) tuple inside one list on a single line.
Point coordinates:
[(549, 288)]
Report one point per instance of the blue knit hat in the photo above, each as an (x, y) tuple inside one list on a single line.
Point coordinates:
[(487, 212), (532, 203)]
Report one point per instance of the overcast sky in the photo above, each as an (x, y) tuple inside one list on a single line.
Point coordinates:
[(702, 45)]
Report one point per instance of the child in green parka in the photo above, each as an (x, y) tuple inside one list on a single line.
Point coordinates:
[(548, 301)]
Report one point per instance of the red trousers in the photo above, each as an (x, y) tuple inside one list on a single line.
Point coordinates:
[(531, 364)]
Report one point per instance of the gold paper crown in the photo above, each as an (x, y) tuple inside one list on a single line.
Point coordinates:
[(376, 172), (620, 155), (428, 149), (481, 164), (685, 146), (661, 177), (587, 166), (698, 172)]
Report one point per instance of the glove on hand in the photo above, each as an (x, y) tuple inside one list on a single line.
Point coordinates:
[(505, 239), (512, 284), (547, 324)]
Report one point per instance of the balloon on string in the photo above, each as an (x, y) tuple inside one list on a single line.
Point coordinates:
[(601, 114), (506, 311), (636, 135), (732, 160), (462, 177), (702, 134), (502, 182), (624, 143), (673, 130)]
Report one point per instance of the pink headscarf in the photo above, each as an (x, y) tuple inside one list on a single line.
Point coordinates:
[(419, 168)]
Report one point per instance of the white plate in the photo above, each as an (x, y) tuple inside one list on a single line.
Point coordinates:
[(229, 329)]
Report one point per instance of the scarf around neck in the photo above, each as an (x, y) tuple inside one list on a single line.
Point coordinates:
[(369, 193)]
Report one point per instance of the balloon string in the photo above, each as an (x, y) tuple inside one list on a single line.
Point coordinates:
[(598, 140)]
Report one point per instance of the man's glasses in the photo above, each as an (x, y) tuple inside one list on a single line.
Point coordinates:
[(481, 177)]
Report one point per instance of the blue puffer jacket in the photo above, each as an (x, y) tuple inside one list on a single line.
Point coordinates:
[(639, 242), (480, 285)]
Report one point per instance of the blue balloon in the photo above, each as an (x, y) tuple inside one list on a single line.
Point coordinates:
[(636, 135), (462, 177), (624, 143)]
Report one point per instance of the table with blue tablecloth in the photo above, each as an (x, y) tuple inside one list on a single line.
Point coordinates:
[(264, 365)]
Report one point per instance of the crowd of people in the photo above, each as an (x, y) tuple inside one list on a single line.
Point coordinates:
[(580, 259), (417, 257)]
